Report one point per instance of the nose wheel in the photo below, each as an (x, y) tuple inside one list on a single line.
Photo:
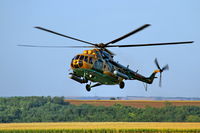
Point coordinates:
[(88, 87), (121, 85)]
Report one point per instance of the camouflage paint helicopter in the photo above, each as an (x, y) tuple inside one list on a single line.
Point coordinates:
[(97, 65)]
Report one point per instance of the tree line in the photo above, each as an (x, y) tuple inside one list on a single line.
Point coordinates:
[(54, 109)]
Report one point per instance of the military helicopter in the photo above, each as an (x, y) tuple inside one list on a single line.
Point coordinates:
[(98, 66)]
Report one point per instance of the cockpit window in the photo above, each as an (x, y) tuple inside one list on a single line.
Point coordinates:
[(73, 58), (90, 60), (86, 59), (77, 57), (81, 57)]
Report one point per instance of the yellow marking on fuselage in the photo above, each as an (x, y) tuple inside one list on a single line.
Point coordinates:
[(156, 71)]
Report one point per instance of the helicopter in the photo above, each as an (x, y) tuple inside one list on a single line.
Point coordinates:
[(97, 65)]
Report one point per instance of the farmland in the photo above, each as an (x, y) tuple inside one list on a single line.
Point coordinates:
[(98, 127), (134, 103), (53, 115)]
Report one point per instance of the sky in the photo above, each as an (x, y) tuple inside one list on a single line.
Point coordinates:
[(44, 72)]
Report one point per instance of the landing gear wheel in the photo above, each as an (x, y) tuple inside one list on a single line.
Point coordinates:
[(121, 85), (88, 87)]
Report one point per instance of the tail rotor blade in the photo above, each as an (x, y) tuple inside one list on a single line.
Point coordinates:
[(165, 67), (160, 80), (156, 62)]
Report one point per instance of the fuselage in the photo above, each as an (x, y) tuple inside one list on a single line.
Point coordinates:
[(97, 65)]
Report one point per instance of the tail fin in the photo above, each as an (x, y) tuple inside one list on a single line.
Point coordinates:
[(152, 77)]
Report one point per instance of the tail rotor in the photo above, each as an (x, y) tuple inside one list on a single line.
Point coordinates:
[(166, 67)]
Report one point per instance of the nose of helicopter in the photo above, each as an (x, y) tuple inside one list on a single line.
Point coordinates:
[(76, 63), (82, 61)]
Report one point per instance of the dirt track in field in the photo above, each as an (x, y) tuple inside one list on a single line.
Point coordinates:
[(134, 103)]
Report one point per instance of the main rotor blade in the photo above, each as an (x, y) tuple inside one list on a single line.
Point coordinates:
[(41, 28), (40, 46), (153, 44), (127, 35)]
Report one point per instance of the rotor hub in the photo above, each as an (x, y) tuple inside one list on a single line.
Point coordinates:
[(100, 45)]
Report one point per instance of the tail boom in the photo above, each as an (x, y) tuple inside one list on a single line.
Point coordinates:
[(148, 80)]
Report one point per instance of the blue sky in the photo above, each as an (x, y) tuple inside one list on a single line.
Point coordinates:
[(44, 72)]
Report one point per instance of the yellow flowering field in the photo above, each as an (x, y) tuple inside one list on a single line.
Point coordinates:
[(98, 127)]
